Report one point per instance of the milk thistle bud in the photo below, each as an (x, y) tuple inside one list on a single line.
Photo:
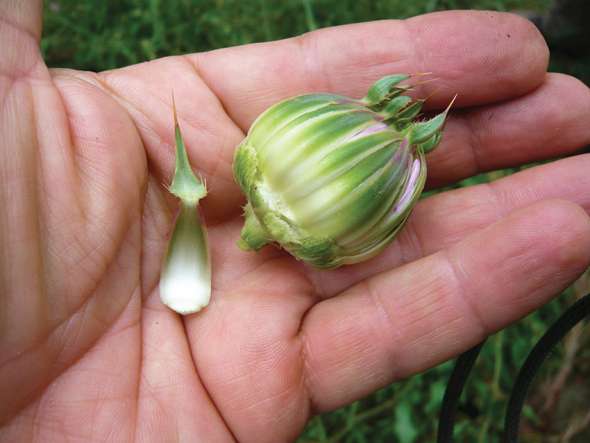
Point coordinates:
[(332, 179)]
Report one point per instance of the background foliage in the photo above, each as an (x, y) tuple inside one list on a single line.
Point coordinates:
[(98, 35)]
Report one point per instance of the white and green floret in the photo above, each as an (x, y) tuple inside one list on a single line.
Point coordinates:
[(185, 279), (331, 179)]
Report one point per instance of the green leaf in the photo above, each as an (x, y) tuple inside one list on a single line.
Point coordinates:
[(404, 426)]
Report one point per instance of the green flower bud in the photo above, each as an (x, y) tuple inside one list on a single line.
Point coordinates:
[(331, 179)]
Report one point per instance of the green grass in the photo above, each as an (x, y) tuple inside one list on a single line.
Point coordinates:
[(99, 35)]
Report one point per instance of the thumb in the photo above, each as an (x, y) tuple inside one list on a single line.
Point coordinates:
[(20, 32), (25, 16)]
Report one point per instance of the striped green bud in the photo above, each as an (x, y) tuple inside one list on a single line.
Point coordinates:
[(331, 179)]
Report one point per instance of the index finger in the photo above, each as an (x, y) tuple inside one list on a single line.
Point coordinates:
[(482, 56)]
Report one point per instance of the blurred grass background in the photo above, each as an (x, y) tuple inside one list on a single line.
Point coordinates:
[(98, 35)]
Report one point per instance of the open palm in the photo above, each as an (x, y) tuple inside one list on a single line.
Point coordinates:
[(87, 351)]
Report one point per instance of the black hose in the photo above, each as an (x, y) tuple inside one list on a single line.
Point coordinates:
[(446, 419), (564, 324), (570, 318)]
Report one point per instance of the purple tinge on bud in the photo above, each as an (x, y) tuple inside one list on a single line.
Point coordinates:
[(402, 159), (368, 131), (410, 187)]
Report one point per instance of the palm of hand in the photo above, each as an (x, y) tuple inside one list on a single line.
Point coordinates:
[(84, 335), (93, 312)]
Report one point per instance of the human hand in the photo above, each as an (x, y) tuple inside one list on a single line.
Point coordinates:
[(87, 350)]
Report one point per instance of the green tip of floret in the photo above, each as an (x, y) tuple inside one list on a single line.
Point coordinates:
[(427, 134), (385, 89), (395, 106), (185, 184)]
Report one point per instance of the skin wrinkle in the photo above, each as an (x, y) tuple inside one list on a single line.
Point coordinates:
[(27, 13), (92, 400), (38, 393), (148, 286), (195, 61), (114, 373), (490, 199), (410, 242), (13, 82), (416, 250), (375, 297), (76, 169), (84, 256), (473, 146), (68, 337), (104, 262), (38, 264), (419, 314), (258, 269), (49, 337), (316, 405), (57, 253), (414, 38), (265, 400), (433, 335), (143, 385), (494, 191), (103, 80), (200, 381), (220, 157), (151, 292), (316, 282), (19, 28), (35, 419), (56, 426), (141, 338), (303, 343), (301, 336), (41, 243), (28, 71), (79, 329), (459, 277), (307, 47)]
